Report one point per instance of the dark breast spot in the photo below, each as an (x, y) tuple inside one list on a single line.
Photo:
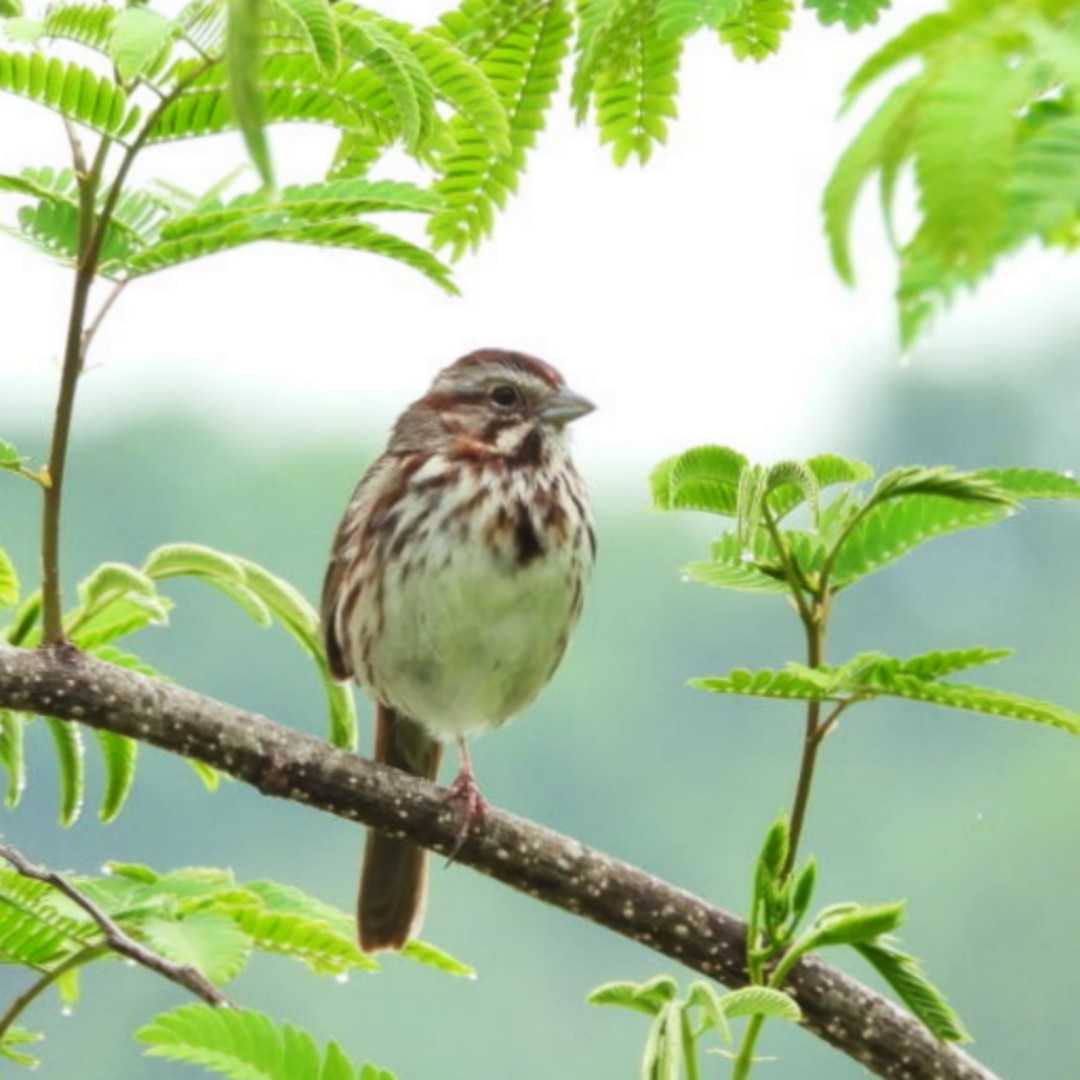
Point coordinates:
[(527, 545), (530, 451)]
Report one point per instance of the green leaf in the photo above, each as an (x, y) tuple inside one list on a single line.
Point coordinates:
[(208, 776), (262, 594), (24, 628), (760, 1001), (906, 977), (212, 943), (635, 100), (119, 618), (39, 928), (523, 60), (245, 1045), (15, 1037), (140, 38), (10, 8), (69, 755), (918, 38), (941, 480), (964, 142), (765, 683), (114, 581), (242, 52), (69, 987), (426, 953), (884, 135), (755, 30), (73, 91), (649, 997), (12, 754), (315, 19), (704, 478), (1032, 483), (10, 458), (936, 665), (119, 756), (802, 891), (703, 995), (892, 528), (9, 581), (774, 850), (313, 942), (680, 18), (980, 699), (852, 924), (854, 14), (88, 24)]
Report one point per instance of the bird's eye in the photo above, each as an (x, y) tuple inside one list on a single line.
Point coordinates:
[(505, 396)]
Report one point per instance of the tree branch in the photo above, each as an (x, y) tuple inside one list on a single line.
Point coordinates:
[(115, 938), (559, 870)]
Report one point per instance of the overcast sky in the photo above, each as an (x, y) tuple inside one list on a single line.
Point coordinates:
[(692, 300)]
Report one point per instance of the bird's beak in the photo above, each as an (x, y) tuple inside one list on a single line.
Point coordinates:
[(565, 406)]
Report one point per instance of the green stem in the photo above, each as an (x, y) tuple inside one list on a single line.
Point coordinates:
[(90, 953), (92, 233), (812, 737), (744, 1061), (74, 358)]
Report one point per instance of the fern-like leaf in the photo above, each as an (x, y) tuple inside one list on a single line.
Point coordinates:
[(12, 754), (262, 593), (680, 18), (524, 63), (853, 14), (242, 1045), (893, 528), (635, 101), (67, 740), (964, 145), (345, 233), (75, 92), (904, 974), (885, 135), (119, 756), (87, 24), (703, 478), (786, 685), (755, 31)]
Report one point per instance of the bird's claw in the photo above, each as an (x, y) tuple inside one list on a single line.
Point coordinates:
[(474, 808)]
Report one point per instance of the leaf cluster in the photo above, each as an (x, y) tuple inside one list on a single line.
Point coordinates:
[(776, 939), (864, 525), (671, 1048), (197, 916), (240, 1043), (118, 600), (988, 126)]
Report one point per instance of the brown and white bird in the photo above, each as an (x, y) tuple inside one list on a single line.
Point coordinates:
[(455, 580)]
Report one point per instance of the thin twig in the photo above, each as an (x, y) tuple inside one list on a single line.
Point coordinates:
[(118, 940), (92, 328), (78, 155)]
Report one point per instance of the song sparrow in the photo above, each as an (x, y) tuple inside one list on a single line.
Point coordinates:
[(455, 579)]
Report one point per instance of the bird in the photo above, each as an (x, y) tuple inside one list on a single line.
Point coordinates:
[(455, 579)]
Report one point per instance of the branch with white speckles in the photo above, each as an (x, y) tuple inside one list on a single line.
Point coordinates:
[(289, 764)]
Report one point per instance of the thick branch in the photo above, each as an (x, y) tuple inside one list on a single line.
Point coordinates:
[(289, 764)]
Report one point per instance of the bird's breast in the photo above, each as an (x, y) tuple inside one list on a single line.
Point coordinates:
[(480, 590)]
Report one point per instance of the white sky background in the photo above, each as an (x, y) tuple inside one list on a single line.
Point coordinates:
[(692, 300)]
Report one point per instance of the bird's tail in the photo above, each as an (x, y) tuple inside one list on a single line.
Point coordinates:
[(393, 880)]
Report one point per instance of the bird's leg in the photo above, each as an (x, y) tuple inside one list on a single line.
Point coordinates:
[(464, 790)]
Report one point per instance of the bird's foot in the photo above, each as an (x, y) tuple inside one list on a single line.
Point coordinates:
[(473, 808)]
